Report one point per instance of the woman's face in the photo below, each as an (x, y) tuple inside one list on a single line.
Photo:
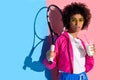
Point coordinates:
[(76, 23)]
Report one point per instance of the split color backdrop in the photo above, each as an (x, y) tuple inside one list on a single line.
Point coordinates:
[(16, 37)]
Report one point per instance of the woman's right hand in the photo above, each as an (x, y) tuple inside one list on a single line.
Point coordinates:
[(50, 54)]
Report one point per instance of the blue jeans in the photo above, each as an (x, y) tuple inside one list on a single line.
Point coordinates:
[(68, 76)]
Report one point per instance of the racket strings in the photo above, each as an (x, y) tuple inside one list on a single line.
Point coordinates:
[(54, 15)]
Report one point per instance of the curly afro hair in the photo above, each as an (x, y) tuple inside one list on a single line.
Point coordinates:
[(76, 8)]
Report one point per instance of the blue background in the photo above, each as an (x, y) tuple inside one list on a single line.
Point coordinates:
[(16, 37)]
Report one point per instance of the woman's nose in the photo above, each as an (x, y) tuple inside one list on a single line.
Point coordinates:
[(77, 23)]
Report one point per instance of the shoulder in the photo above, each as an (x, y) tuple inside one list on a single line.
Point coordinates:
[(63, 37), (61, 41)]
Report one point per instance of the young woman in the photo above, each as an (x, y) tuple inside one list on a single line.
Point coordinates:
[(70, 54)]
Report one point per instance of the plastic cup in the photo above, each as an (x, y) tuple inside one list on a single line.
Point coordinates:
[(90, 49)]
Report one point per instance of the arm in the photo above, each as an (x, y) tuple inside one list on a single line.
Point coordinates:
[(53, 64), (89, 60), (89, 63)]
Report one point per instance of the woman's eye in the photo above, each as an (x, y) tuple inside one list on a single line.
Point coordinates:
[(73, 20), (81, 20)]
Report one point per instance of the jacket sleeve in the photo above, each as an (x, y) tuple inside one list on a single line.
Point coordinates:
[(89, 63), (53, 64), (48, 65)]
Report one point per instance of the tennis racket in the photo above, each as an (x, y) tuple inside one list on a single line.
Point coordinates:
[(52, 15), (54, 18)]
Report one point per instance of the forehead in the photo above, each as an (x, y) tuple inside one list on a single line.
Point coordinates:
[(77, 16)]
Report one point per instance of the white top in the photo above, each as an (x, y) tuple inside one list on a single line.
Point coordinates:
[(78, 55)]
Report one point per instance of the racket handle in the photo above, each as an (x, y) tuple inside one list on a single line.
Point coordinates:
[(24, 67), (50, 60), (52, 47)]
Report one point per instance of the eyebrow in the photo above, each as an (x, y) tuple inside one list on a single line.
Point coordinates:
[(76, 18)]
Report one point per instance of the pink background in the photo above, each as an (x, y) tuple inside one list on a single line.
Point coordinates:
[(104, 29)]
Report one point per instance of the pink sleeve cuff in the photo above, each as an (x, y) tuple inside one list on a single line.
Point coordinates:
[(48, 65)]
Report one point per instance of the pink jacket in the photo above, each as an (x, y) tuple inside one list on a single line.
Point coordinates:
[(64, 56)]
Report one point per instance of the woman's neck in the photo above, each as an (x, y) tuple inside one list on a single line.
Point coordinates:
[(74, 34)]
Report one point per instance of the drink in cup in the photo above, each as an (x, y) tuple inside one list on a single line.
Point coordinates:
[(90, 49)]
